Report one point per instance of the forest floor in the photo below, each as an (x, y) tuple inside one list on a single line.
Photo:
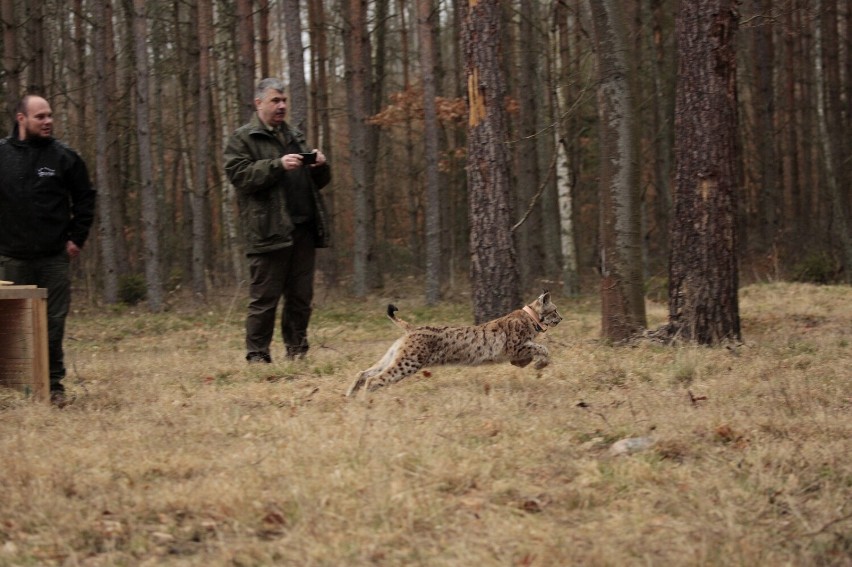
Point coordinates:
[(176, 452)]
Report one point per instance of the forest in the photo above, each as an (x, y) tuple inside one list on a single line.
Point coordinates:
[(148, 92)]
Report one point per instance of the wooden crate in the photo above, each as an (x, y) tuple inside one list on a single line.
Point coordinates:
[(24, 364)]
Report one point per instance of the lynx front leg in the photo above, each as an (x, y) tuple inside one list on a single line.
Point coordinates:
[(541, 356), (532, 352)]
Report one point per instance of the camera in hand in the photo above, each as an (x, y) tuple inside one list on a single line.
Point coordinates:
[(309, 159)]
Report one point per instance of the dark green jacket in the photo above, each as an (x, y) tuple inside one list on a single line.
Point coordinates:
[(253, 166)]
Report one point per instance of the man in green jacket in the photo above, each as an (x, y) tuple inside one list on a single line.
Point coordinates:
[(283, 220)]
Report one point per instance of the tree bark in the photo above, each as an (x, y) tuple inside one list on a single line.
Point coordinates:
[(426, 13), (35, 38), (622, 300), (106, 221), (150, 214), (828, 141), (244, 23), (494, 270), (362, 143), (703, 277), (298, 107), (320, 127), (200, 202), (11, 65)]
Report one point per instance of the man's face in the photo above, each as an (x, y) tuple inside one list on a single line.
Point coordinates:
[(272, 108), (37, 121)]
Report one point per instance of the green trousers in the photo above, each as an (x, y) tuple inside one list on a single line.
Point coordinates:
[(287, 273), (53, 274)]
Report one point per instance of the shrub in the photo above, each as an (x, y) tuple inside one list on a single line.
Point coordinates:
[(818, 268), (132, 289)]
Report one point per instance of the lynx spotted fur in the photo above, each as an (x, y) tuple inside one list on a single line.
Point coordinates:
[(509, 338)]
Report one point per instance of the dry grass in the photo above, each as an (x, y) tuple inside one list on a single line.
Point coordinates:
[(177, 453)]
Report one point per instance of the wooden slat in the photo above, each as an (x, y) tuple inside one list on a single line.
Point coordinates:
[(22, 292), (24, 362)]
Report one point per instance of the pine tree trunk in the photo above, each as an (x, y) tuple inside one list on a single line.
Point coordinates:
[(362, 143), (703, 277), (425, 13), (298, 107), (106, 222), (150, 214), (622, 300), (494, 270), (200, 201)]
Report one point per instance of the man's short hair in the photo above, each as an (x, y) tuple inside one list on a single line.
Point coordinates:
[(269, 83), (23, 104)]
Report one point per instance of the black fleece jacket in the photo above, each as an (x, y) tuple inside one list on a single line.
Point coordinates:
[(46, 198)]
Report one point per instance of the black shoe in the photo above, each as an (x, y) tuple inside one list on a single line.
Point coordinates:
[(294, 353), (59, 399), (259, 357)]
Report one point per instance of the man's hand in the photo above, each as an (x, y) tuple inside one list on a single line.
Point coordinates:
[(291, 161), (72, 249), (294, 161)]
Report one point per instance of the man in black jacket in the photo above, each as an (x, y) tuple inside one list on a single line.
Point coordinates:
[(47, 205)]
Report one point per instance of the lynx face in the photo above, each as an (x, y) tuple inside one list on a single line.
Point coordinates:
[(507, 339)]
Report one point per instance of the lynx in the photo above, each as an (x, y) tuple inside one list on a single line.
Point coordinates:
[(509, 338)]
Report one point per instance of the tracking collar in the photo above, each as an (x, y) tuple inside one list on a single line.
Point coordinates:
[(539, 326)]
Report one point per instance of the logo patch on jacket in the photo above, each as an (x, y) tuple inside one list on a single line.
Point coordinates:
[(46, 172)]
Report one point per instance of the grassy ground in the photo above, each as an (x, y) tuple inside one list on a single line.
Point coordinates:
[(176, 452)]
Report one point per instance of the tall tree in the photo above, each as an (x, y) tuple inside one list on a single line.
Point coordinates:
[(495, 281), (363, 143), (703, 276), (529, 236), (199, 196), (244, 39), (425, 15), (11, 64), (764, 101), (263, 38), (827, 83), (622, 299), (150, 213), (320, 125), (298, 109), (36, 46), (106, 223)]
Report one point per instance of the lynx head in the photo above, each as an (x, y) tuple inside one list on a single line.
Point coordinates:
[(546, 310)]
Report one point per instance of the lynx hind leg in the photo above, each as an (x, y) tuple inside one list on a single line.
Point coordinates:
[(393, 374), (407, 361), (377, 368)]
